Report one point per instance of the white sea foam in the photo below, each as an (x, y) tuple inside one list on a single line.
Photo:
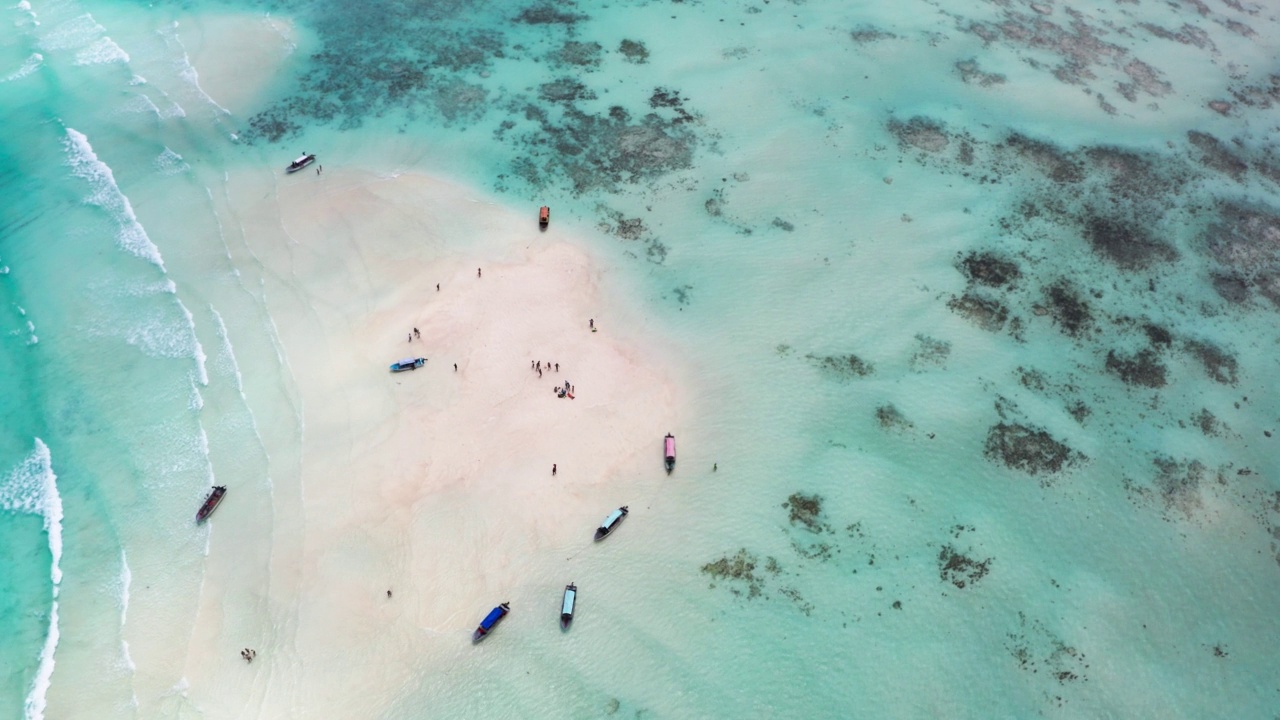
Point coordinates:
[(106, 194), (25, 7), (74, 34), (229, 353), (31, 14), (30, 65), (102, 51), (37, 699), (170, 163), (32, 488), (154, 327), (126, 580), (185, 69), (195, 401), (198, 350), (140, 103)]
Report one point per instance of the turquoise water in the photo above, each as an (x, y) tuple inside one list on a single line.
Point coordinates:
[(976, 306)]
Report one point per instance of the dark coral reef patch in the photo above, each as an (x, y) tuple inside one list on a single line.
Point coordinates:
[(1029, 449)]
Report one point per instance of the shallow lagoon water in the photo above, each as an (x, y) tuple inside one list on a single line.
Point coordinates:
[(977, 301)]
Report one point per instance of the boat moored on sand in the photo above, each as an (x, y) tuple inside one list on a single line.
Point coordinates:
[(408, 364), (211, 503), (669, 451), (566, 607), (611, 522), (303, 161), (491, 620), (544, 217)]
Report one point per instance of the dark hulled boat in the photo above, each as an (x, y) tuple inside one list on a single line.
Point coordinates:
[(211, 503), (611, 522), (490, 621), (300, 163), (669, 451), (566, 607)]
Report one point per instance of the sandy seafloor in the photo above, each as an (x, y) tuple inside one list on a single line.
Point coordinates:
[(963, 314)]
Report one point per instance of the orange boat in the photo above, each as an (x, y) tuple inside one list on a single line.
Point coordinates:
[(544, 217)]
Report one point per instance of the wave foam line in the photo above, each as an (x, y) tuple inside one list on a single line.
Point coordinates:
[(74, 34), (126, 580), (25, 7), (130, 234), (106, 194), (32, 488), (33, 63), (102, 51), (198, 349), (186, 70)]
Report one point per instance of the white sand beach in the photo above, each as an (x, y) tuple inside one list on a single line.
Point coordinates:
[(434, 484)]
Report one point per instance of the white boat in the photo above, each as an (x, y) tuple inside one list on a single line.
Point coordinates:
[(300, 163), (566, 608)]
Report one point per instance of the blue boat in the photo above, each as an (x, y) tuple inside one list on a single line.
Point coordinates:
[(611, 522), (491, 620), (408, 364), (566, 608)]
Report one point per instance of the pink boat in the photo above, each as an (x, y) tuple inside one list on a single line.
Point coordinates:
[(669, 451)]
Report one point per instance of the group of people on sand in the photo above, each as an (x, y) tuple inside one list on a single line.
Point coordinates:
[(248, 654), (537, 365)]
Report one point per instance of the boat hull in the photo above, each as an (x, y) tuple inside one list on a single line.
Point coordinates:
[(297, 165), (408, 365), (611, 523), (490, 622), (566, 607), (211, 503)]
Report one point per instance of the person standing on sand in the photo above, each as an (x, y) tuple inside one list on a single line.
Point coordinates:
[(416, 333), (553, 469), (410, 337), (557, 367), (591, 323), (437, 287), (477, 272), (455, 367)]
